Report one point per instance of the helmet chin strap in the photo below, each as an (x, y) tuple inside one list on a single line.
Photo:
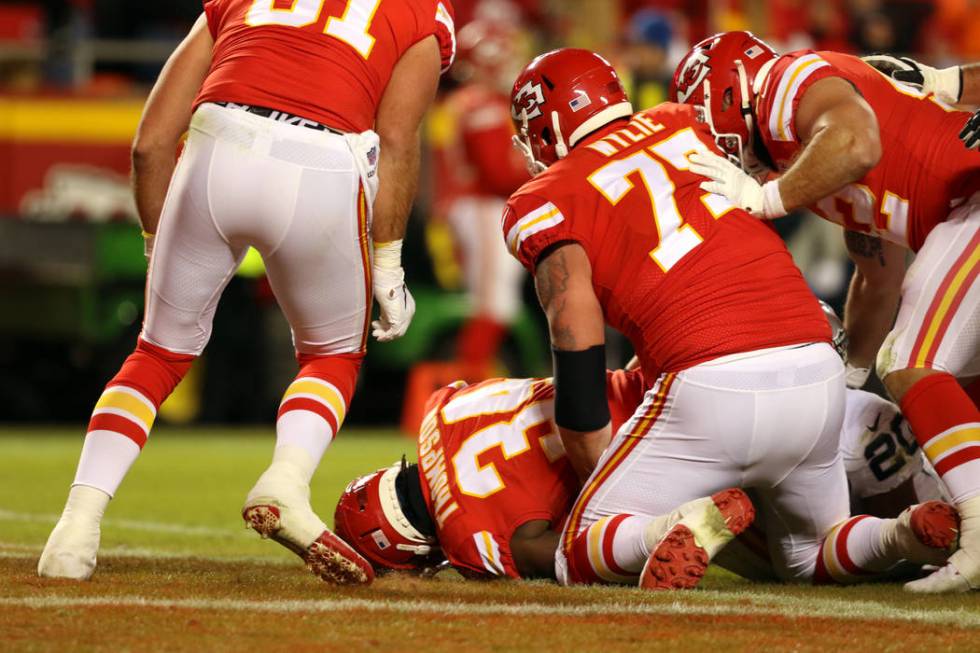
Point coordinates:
[(560, 148)]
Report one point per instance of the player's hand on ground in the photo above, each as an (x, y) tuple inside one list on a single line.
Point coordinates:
[(394, 299), (971, 132), (727, 179), (944, 83)]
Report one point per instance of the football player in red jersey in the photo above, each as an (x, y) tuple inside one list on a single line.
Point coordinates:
[(616, 230), (840, 135), (296, 111), (493, 485), (485, 170)]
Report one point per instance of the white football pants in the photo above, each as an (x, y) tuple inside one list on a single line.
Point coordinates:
[(301, 197), (494, 279), (938, 323), (768, 420)]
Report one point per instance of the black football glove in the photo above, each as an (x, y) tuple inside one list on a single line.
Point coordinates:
[(971, 132)]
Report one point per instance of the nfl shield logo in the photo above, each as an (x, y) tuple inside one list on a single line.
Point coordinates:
[(580, 101), (380, 539)]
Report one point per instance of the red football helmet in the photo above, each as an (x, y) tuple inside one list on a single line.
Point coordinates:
[(370, 518), (561, 97), (719, 74), (485, 51)]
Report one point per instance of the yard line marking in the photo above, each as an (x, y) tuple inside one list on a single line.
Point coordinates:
[(129, 524), (19, 552), (831, 609)]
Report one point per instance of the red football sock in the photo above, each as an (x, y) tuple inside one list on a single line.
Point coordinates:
[(946, 424), (124, 414), (315, 404), (479, 340), (851, 552)]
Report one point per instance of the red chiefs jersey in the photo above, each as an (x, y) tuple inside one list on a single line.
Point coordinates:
[(487, 157), (682, 273), (325, 60), (924, 167), (491, 459)]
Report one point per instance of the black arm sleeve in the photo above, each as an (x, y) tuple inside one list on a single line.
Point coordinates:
[(580, 389)]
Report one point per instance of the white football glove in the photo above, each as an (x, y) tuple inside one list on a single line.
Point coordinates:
[(727, 179), (395, 301), (945, 83)]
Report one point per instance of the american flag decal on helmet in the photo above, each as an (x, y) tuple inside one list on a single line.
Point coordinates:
[(753, 52), (580, 101)]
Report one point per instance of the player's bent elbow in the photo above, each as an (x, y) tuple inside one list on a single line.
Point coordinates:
[(144, 151), (864, 151)]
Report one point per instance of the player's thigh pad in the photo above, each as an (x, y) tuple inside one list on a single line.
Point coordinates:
[(192, 261), (938, 324)]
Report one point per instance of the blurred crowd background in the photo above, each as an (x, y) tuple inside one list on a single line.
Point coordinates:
[(74, 74)]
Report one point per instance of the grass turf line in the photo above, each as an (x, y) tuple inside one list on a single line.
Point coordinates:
[(174, 536)]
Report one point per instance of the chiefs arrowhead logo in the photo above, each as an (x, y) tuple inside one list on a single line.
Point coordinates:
[(695, 70), (528, 98)]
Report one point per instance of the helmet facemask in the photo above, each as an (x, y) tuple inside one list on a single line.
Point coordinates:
[(522, 141), (737, 150)]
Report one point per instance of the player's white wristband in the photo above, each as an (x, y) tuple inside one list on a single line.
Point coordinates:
[(148, 239), (772, 200), (388, 256), (856, 377)]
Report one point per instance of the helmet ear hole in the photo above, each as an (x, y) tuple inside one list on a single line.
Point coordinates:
[(546, 136), (727, 98)]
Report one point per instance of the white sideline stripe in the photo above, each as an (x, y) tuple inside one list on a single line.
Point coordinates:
[(130, 524), (801, 608)]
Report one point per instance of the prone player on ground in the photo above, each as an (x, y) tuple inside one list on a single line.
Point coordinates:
[(882, 159), (493, 486), (303, 143)]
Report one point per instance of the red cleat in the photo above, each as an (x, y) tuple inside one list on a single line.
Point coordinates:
[(682, 556), (936, 524)]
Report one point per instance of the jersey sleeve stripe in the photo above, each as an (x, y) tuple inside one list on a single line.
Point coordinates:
[(443, 16), (789, 85), (489, 553), (540, 219)]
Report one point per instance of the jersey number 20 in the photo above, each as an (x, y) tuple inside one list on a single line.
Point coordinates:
[(351, 28)]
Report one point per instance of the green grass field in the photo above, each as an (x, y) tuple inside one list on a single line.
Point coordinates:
[(178, 571)]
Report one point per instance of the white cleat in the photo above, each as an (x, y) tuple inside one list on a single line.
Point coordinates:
[(278, 508), (70, 551), (73, 544), (962, 572)]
